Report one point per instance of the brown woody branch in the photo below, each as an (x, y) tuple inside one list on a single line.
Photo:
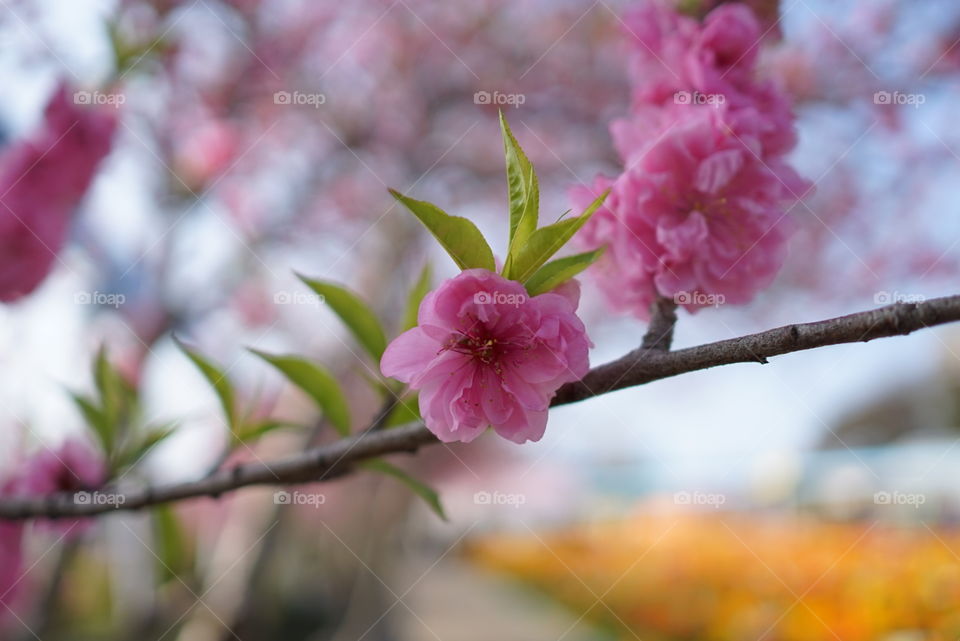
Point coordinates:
[(640, 366), (663, 317)]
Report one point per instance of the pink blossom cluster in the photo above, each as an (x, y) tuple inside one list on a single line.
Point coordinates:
[(42, 180), (485, 354), (73, 466), (699, 213)]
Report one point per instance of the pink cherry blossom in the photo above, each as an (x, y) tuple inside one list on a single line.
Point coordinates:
[(699, 212), (485, 354), (678, 65), (73, 466), (206, 149), (42, 180), (726, 46), (699, 217)]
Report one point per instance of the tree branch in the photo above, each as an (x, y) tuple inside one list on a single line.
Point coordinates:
[(644, 365), (640, 366), (319, 464), (663, 316)]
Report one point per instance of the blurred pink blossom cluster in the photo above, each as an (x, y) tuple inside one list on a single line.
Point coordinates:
[(699, 213), (42, 180), (72, 467)]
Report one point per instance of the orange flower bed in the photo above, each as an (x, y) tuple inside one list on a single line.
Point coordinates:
[(727, 577)]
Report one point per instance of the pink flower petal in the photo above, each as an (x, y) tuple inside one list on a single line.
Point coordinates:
[(408, 355)]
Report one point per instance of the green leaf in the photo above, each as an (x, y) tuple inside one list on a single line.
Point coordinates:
[(561, 270), (460, 237), (175, 555), (111, 413), (105, 382), (406, 411), (523, 191), (95, 419), (114, 416), (255, 431), (218, 380), (151, 437), (422, 490), (318, 383), (415, 297), (546, 241), (155, 435), (355, 313), (114, 397)]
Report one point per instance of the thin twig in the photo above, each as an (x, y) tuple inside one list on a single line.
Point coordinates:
[(663, 316)]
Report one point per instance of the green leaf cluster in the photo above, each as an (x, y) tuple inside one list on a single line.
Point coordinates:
[(530, 246), (113, 414), (320, 385)]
